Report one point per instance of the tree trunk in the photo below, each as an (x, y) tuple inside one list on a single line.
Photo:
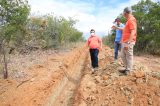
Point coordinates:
[(5, 70)]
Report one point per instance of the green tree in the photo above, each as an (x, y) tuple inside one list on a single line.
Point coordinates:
[(13, 17), (51, 31), (147, 14), (148, 20)]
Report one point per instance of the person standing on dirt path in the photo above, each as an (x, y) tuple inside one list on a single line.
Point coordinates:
[(128, 40), (117, 43), (95, 44)]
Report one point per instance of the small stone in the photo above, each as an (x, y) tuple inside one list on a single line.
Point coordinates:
[(66, 64), (102, 57), (120, 83), (157, 93), (150, 101), (90, 85), (98, 79), (83, 104), (129, 89), (71, 89), (32, 79), (34, 100), (156, 74), (126, 93), (91, 98), (105, 77), (130, 100), (153, 82), (121, 88), (95, 91), (114, 75), (139, 74), (106, 83), (133, 79), (147, 93), (39, 66), (139, 81)]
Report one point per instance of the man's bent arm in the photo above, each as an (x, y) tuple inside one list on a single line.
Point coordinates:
[(131, 36)]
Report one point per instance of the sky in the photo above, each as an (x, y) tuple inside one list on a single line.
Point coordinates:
[(92, 14)]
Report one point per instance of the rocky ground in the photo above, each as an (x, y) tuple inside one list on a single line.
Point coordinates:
[(108, 87), (64, 78)]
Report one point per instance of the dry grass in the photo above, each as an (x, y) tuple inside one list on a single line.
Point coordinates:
[(18, 63)]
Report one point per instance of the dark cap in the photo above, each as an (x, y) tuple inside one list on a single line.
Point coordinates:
[(92, 30), (117, 20)]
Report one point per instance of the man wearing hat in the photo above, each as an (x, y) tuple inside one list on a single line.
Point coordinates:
[(117, 38)]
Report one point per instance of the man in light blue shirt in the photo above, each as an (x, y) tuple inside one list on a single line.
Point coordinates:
[(117, 42)]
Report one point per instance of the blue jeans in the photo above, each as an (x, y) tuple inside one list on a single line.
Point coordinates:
[(117, 45), (94, 57)]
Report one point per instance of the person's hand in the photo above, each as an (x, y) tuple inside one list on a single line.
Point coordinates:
[(126, 48), (100, 48), (113, 27), (120, 42)]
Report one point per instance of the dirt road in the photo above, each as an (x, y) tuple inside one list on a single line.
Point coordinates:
[(65, 79)]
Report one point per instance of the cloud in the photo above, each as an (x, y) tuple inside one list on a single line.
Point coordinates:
[(90, 13)]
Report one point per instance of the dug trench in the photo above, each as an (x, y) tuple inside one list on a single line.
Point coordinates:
[(64, 94), (47, 84), (73, 81)]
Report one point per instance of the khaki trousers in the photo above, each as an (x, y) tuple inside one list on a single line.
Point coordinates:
[(127, 55)]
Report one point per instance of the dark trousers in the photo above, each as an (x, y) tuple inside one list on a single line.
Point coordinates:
[(117, 45), (94, 57)]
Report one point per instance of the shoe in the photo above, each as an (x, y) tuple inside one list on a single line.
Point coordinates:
[(122, 71), (93, 70), (96, 69), (127, 72), (115, 62)]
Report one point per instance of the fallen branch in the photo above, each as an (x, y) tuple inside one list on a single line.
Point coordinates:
[(23, 82)]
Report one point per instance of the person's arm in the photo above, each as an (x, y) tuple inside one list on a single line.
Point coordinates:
[(100, 44), (132, 27), (130, 39), (87, 43), (121, 39), (131, 36), (120, 28)]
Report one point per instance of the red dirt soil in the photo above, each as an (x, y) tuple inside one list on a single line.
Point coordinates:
[(65, 79), (108, 87), (42, 79)]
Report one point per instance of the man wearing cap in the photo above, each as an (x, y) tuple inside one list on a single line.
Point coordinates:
[(95, 44), (128, 40), (117, 38)]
